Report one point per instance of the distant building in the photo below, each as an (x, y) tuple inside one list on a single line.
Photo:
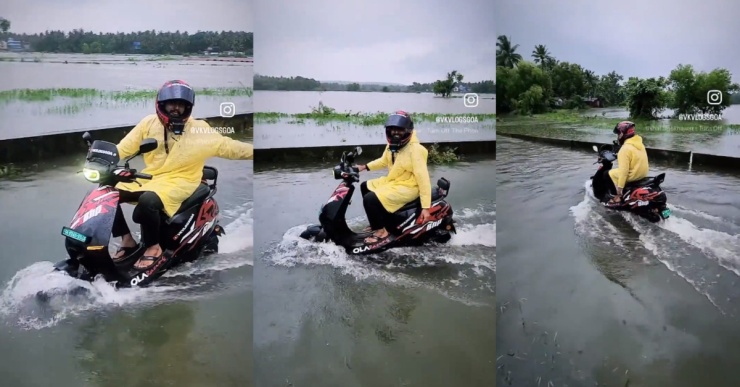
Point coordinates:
[(14, 45), (137, 45), (3, 45), (460, 89), (594, 102)]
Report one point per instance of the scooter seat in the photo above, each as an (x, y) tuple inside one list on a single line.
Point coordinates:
[(650, 180), (200, 194), (417, 202)]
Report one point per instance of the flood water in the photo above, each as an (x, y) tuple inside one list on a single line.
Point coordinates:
[(116, 73), (663, 134), (323, 318), (288, 133), (192, 327), (606, 298)]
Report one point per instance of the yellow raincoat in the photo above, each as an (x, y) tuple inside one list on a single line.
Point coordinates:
[(632, 162), (408, 177), (176, 175)]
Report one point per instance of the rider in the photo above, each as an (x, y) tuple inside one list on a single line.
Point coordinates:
[(407, 179), (176, 166), (632, 160)]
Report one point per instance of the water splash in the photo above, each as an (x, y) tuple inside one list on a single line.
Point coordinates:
[(65, 297)]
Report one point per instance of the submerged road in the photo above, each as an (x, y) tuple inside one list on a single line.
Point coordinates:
[(323, 318), (590, 297)]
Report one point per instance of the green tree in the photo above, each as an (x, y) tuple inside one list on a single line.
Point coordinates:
[(527, 89), (568, 80), (690, 90), (4, 25), (646, 98), (353, 87), (541, 55), (610, 89), (506, 54), (591, 81), (445, 87)]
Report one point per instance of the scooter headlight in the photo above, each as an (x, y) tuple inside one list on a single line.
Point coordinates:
[(92, 175)]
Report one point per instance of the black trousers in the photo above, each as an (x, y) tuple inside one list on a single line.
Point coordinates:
[(376, 213), (147, 213)]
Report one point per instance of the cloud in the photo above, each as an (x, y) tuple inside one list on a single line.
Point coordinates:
[(380, 41), (632, 37), (35, 16)]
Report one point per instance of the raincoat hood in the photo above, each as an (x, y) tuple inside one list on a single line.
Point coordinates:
[(635, 141)]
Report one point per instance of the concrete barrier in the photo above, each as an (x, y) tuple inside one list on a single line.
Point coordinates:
[(332, 153), (43, 147), (672, 157)]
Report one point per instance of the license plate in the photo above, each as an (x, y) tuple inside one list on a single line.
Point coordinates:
[(74, 235), (666, 213)]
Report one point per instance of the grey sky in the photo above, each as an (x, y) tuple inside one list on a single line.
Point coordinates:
[(644, 38), (35, 16), (399, 41)]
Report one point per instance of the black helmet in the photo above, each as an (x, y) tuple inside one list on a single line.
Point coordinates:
[(175, 91), (398, 120)]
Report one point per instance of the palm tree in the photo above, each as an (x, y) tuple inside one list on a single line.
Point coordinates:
[(541, 55), (506, 53)]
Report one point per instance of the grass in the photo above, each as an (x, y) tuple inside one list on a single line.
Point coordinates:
[(576, 117), (442, 156), (46, 95), (323, 114), (10, 171)]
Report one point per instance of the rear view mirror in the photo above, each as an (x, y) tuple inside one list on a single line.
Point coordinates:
[(358, 151), (596, 149), (148, 145)]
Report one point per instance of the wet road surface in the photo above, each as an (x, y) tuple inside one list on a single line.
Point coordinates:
[(589, 297), (324, 318)]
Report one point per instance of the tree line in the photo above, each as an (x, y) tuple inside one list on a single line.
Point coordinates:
[(298, 83), (546, 83), (151, 42)]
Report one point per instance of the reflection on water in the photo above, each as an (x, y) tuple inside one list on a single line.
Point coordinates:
[(23, 118), (606, 297)]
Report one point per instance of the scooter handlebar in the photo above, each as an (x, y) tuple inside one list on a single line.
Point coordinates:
[(143, 176)]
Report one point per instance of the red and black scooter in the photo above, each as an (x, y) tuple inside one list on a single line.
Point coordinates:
[(406, 231), (644, 197), (190, 234)]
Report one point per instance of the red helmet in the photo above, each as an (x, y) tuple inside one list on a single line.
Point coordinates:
[(624, 130), (175, 91), (398, 120)]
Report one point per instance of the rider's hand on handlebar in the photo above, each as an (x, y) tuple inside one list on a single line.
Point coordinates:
[(361, 167)]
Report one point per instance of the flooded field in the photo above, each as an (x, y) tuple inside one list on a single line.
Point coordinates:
[(606, 298), (325, 318), (366, 126), (112, 91), (704, 137)]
